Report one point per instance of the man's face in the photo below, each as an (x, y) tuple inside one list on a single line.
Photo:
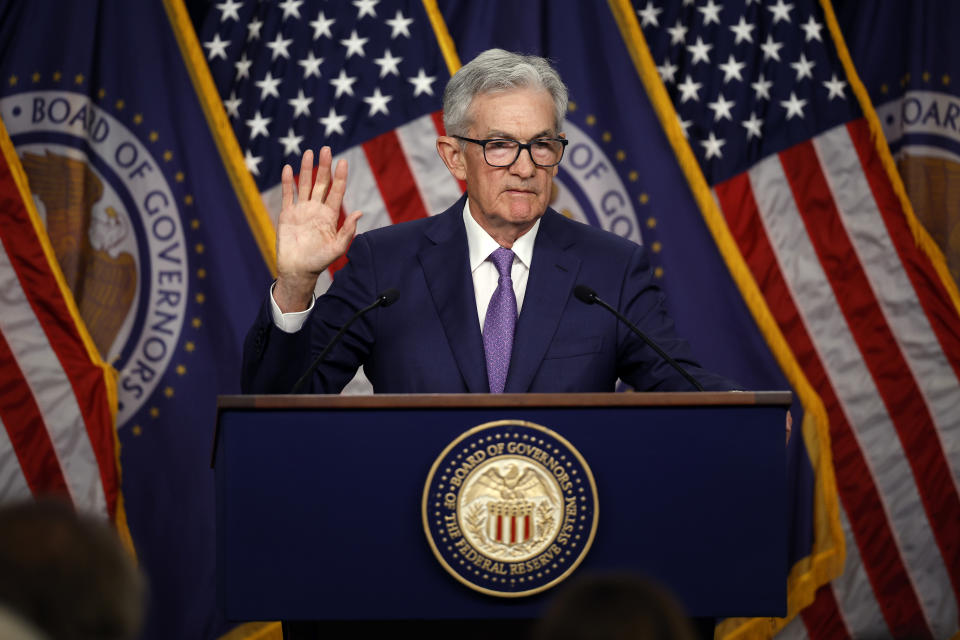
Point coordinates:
[(507, 201)]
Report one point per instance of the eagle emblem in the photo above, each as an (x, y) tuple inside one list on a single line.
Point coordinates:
[(86, 239)]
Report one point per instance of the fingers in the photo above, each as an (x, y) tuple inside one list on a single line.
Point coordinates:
[(306, 176), (347, 230), (286, 187), (324, 160), (339, 186)]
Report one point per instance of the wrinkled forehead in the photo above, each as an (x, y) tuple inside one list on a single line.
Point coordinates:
[(519, 112)]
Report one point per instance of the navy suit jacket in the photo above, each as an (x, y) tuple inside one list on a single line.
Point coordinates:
[(429, 341)]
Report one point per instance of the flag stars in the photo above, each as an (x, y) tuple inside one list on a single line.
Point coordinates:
[(228, 10), (667, 71), (291, 143), (291, 9), (794, 106), (253, 29), (684, 125), (378, 103), (711, 12), (712, 146), (300, 104), (678, 33), (321, 26), (835, 87), (354, 44), (811, 29), (742, 31), (780, 11), (771, 49), (279, 47), (803, 67), (388, 63), (258, 126), (232, 105), (243, 66), (343, 84), (699, 51), (268, 86), (753, 125), (422, 83), (648, 15), (311, 65), (721, 108), (731, 69), (253, 166), (333, 122), (761, 88), (689, 90), (216, 48), (366, 8), (399, 25)]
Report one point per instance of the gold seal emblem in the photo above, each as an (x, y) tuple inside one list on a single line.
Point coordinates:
[(510, 508)]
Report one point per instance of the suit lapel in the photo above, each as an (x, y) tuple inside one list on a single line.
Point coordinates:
[(446, 269), (552, 278)]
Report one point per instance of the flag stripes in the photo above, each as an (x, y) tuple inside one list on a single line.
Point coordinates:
[(809, 216), (396, 183), (34, 459), (56, 369), (13, 483), (858, 493)]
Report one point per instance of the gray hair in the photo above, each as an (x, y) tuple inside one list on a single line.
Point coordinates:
[(498, 70)]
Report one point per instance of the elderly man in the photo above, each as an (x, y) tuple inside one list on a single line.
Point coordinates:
[(486, 300)]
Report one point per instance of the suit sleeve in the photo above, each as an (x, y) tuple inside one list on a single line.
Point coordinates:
[(274, 360), (643, 301)]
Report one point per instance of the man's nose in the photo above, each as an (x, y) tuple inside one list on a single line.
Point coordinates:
[(523, 166)]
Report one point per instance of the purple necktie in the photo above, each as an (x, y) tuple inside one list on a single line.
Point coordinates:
[(500, 321)]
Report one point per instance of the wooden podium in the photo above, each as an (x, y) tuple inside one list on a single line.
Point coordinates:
[(319, 500)]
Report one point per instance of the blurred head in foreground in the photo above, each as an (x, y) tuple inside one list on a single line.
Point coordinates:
[(614, 607), (67, 574)]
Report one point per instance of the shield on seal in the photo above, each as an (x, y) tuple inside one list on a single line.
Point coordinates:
[(510, 522)]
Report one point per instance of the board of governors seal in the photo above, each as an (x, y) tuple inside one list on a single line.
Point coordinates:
[(510, 508)]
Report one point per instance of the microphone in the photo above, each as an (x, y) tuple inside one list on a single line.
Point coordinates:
[(585, 294), (385, 299)]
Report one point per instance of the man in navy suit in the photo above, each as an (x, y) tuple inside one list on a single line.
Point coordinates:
[(486, 288)]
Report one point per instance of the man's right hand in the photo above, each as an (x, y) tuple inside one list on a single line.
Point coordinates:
[(308, 240)]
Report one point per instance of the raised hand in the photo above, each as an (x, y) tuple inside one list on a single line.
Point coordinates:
[(308, 240)]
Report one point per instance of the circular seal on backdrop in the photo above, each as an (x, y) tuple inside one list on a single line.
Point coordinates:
[(510, 508)]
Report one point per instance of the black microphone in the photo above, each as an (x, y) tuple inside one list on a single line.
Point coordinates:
[(385, 299), (587, 295)]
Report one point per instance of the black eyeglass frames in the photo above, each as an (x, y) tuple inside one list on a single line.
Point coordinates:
[(503, 152)]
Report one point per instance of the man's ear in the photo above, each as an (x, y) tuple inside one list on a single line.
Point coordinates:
[(452, 155)]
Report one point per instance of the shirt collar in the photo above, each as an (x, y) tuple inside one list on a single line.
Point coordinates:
[(481, 245)]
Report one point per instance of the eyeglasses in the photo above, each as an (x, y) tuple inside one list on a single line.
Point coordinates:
[(503, 152)]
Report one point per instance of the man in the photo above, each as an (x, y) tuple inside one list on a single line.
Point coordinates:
[(485, 288)]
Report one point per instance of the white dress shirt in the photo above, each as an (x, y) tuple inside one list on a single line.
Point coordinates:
[(485, 276)]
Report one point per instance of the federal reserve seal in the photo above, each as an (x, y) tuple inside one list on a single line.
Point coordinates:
[(510, 508)]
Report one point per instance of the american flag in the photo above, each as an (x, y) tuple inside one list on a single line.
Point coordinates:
[(57, 396), (853, 284), (364, 77)]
